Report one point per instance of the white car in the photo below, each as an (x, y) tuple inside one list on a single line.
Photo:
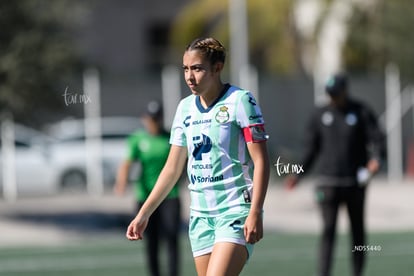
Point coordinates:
[(69, 151), (33, 166)]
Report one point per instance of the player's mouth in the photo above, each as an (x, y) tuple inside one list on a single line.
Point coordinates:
[(191, 85)]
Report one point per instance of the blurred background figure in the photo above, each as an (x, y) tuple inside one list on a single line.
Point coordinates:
[(150, 147), (345, 136)]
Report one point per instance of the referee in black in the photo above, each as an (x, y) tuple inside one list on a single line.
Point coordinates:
[(345, 137)]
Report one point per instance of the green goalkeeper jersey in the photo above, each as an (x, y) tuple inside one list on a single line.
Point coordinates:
[(152, 152)]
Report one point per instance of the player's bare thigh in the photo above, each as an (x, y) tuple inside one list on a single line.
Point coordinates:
[(201, 263), (227, 259)]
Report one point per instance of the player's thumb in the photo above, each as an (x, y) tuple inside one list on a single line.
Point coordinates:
[(131, 233)]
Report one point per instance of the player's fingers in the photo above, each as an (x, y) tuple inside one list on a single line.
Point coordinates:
[(132, 233), (251, 236), (246, 234), (251, 239)]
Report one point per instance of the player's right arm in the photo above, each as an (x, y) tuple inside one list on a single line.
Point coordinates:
[(122, 177), (165, 182), (121, 180)]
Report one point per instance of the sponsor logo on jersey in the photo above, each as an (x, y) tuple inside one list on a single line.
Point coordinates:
[(202, 166), (327, 118), (201, 145), (144, 145), (222, 115), (199, 122), (206, 179), (254, 117), (252, 101), (351, 119), (236, 225), (186, 121)]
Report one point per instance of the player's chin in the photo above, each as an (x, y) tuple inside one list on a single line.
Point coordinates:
[(194, 92), (193, 89)]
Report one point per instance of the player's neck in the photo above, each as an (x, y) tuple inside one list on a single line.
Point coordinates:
[(211, 95)]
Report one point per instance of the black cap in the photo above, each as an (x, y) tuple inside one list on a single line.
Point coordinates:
[(336, 84), (154, 110)]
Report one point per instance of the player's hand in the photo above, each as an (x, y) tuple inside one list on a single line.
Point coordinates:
[(253, 228), (136, 228), (290, 182), (373, 166)]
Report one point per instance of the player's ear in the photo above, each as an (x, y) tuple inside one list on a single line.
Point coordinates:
[(218, 67)]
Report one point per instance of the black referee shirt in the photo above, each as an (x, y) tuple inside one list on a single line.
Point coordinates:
[(343, 139)]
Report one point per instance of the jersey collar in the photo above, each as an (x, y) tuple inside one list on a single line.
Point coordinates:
[(205, 110)]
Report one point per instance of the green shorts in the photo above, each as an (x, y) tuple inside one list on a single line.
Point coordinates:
[(204, 232)]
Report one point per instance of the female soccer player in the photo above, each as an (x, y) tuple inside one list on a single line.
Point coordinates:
[(219, 128)]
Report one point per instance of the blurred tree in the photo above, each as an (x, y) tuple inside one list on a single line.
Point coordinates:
[(36, 54), (271, 31), (379, 35)]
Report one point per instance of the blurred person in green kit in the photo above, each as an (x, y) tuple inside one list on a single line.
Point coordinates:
[(150, 147)]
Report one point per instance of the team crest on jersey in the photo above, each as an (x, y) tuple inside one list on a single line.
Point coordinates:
[(222, 115)]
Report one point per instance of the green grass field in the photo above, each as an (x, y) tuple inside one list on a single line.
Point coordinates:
[(277, 254)]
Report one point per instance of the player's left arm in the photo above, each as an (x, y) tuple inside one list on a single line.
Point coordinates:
[(251, 122), (254, 223)]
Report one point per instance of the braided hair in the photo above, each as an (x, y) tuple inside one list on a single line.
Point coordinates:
[(210, 48)]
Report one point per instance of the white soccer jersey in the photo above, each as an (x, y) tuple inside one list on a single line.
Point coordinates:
[(219, 167)]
